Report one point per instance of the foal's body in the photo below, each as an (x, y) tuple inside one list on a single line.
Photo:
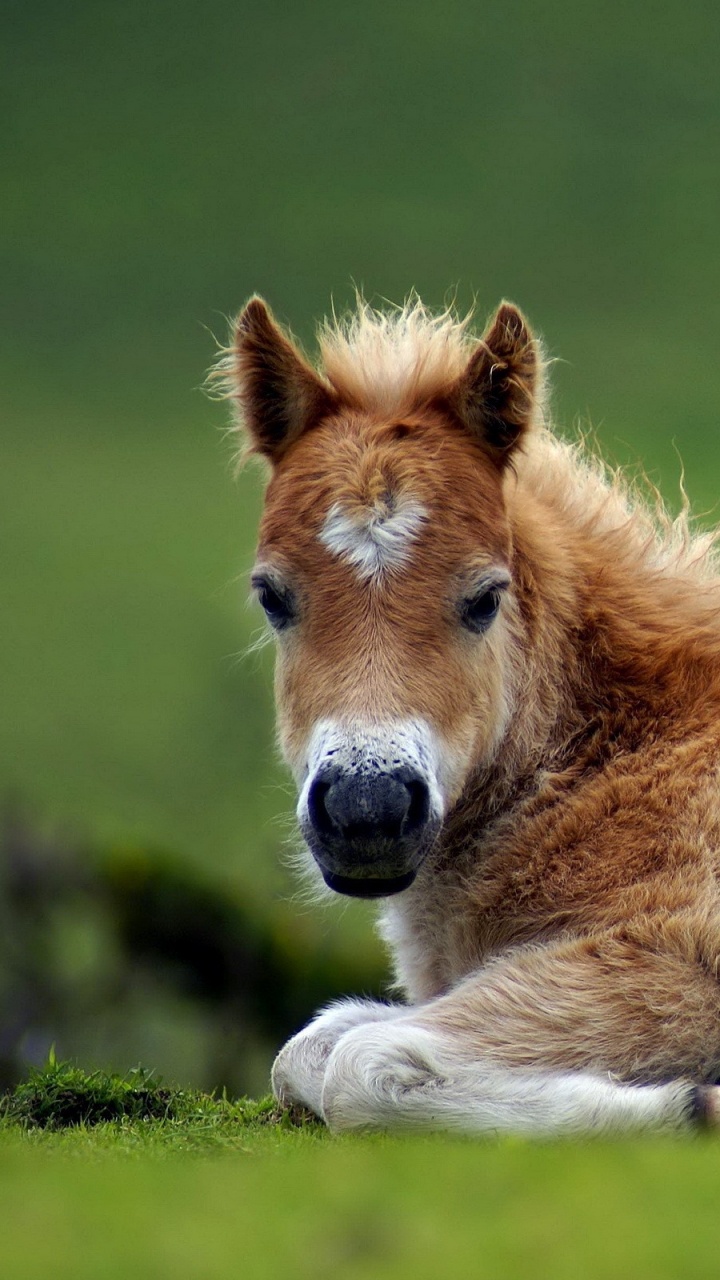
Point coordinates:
[(499, 689)]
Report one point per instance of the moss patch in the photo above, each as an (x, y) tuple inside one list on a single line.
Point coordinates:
[(61, 1096)]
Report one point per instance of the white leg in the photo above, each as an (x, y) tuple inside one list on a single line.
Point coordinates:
[(399, 1076), (299, 1069)]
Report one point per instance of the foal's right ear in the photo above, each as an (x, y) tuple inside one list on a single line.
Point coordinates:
[(276, 392)]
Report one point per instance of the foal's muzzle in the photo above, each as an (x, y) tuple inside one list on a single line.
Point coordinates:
[(368, 830)]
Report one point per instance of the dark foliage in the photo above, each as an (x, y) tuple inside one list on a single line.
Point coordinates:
[(158, 926)]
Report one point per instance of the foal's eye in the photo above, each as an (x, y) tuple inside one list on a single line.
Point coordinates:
[(478, 611), (277, 604)]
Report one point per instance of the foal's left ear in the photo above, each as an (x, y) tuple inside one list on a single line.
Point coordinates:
[(277, 393), (498, 394)]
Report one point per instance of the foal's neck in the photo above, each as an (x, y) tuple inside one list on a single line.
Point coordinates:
[(616, 638)]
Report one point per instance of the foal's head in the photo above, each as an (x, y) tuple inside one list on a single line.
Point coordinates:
[(384, 567)]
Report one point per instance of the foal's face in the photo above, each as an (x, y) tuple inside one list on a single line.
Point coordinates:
[(384, 569)]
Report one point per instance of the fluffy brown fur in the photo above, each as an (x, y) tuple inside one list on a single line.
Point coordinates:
[(568, 916)]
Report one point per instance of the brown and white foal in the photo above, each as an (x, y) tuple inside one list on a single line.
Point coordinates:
[(498, 688)]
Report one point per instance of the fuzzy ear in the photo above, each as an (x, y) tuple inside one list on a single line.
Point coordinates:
[(277, 393), (498, 394)]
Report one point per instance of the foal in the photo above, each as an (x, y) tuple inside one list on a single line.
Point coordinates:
[(498, 688)]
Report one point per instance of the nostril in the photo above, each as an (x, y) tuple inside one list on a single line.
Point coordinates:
[(419, 807), (317, 808)]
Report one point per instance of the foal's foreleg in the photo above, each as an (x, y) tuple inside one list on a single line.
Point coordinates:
[(400, 1076), (583, 1036)]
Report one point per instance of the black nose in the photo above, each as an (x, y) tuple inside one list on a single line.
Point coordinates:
[(367, 808)]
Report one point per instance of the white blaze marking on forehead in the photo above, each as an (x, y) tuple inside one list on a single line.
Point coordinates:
[(376, 541)]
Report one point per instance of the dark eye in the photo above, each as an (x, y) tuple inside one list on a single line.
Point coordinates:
[(278, 604), (478, 611)]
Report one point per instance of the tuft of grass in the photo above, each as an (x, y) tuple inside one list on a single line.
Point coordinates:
[(137, 1109), (61, 1095)]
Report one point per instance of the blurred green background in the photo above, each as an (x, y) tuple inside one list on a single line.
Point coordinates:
[(161, 162)]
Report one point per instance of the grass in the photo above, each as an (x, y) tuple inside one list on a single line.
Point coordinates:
[(64, 1107), (108, 1176)]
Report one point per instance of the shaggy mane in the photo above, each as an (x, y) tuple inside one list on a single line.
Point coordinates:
[(630, 516), (394, 360)]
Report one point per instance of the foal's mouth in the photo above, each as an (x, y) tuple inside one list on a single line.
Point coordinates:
[(368, 886), (365, 863)]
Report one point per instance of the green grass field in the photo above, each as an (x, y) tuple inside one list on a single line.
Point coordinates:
[(185, 1185), (118, 1176), (267, 1203)]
